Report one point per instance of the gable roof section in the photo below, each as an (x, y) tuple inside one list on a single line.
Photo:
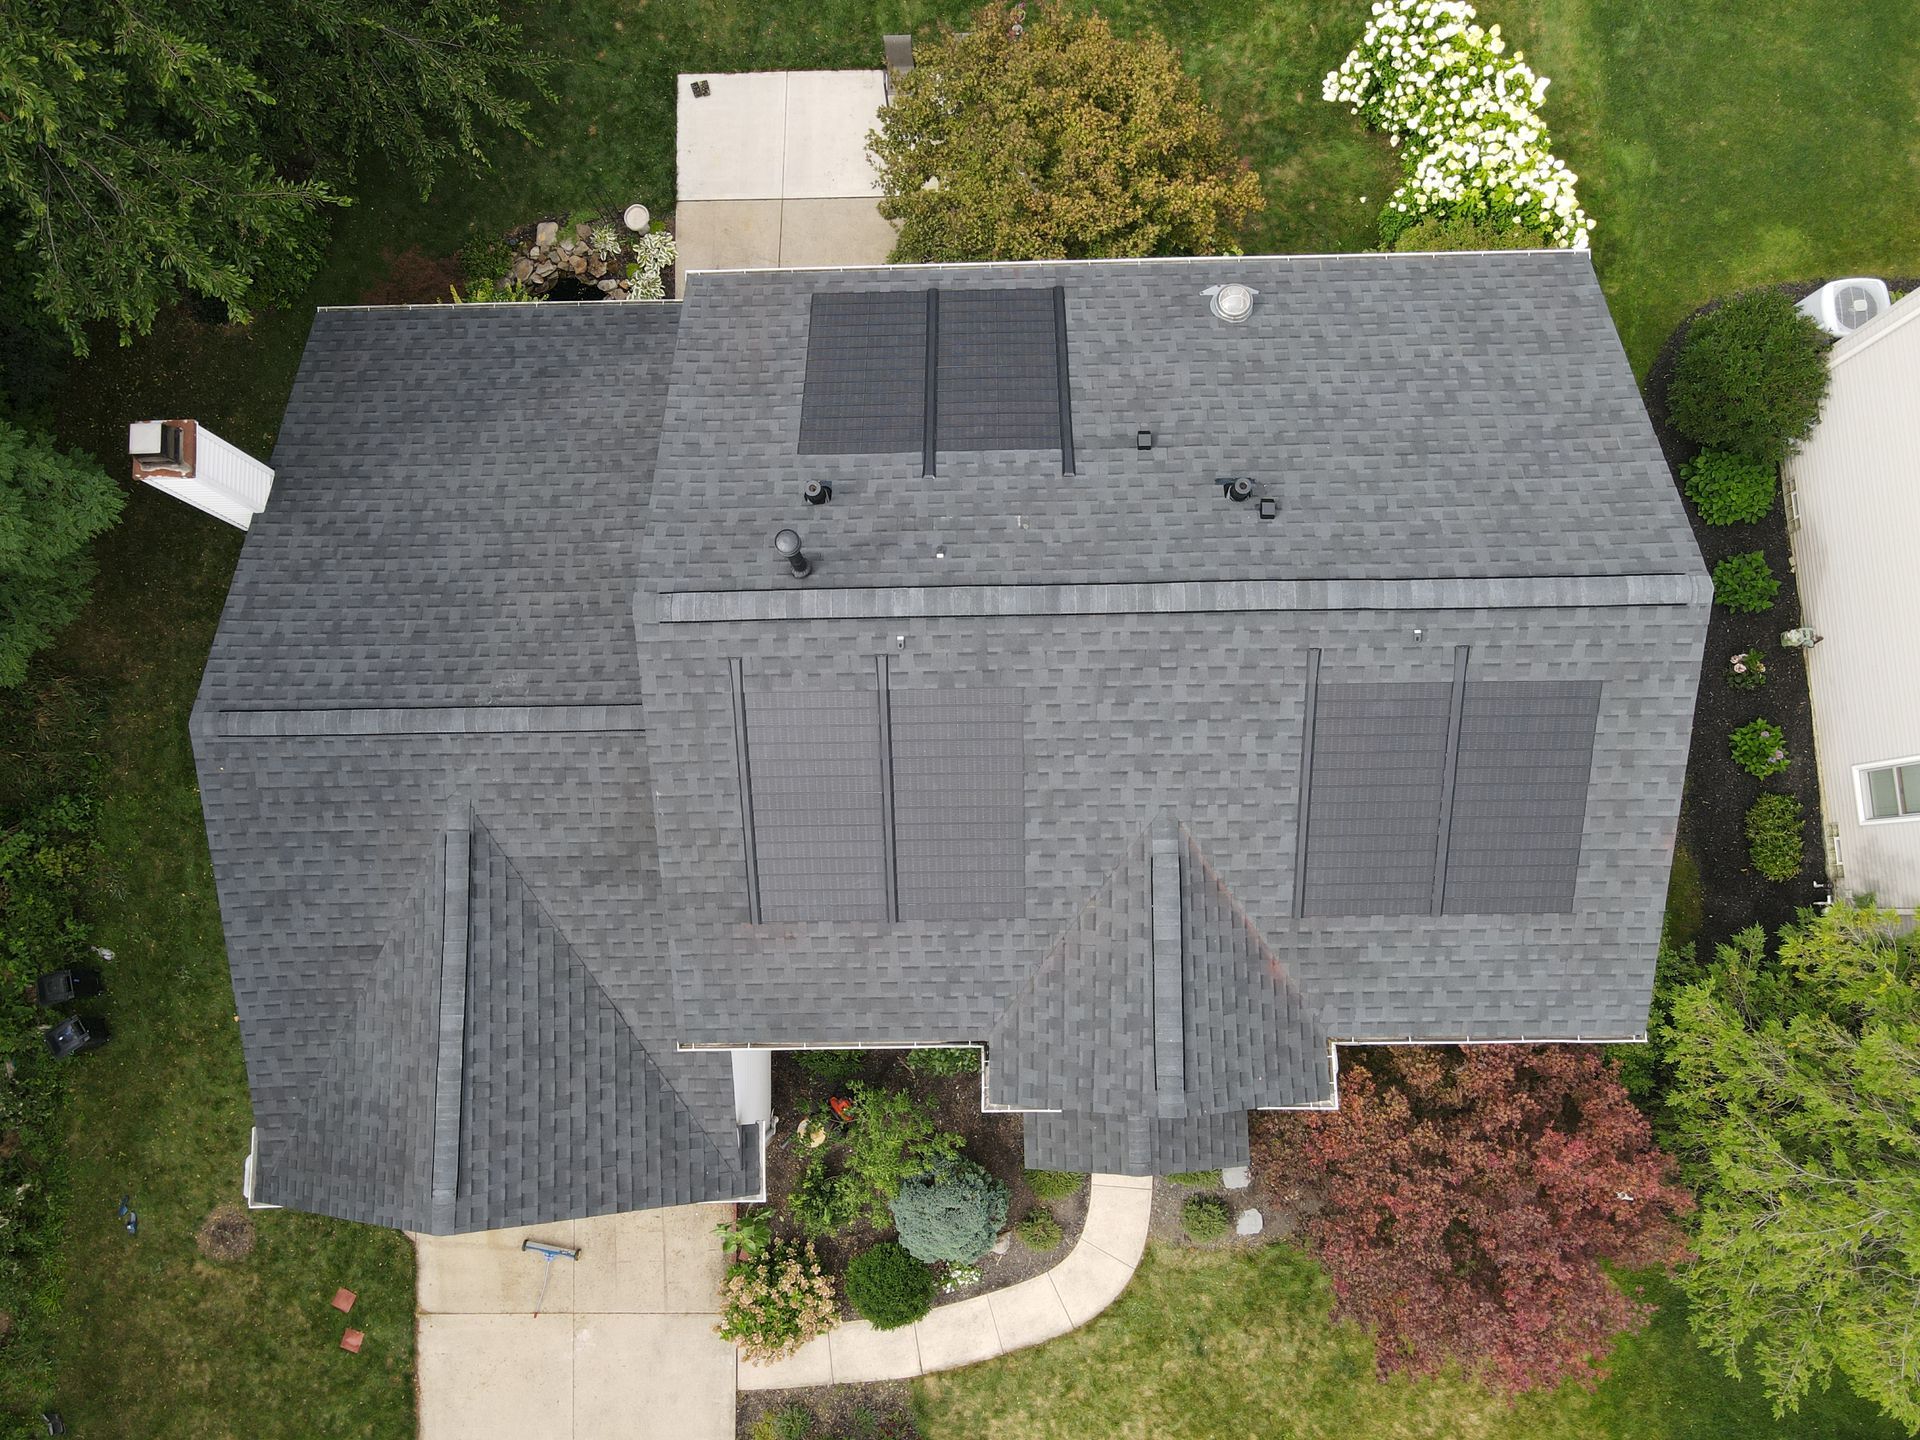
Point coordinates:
[(454, 1023)]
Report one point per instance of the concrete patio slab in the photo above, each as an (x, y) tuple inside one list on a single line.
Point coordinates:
[(861, 1352), (731, 143), (833, 232), (623, 1348), (726, 235), (829, 113)]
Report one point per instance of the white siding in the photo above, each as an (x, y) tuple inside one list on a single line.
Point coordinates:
[(1855, 499)]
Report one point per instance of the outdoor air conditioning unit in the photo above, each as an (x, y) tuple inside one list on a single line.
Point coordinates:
[(1841, 307)]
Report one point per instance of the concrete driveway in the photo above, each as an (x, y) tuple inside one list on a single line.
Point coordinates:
[(623, 1348)]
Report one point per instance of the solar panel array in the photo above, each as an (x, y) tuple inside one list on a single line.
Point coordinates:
[(1382, 820), (818, 794), (996, 382)]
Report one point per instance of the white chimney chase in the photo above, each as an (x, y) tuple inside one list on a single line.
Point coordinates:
[(191, 463)]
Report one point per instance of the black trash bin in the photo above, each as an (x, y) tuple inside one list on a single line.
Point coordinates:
[(63, 987), (75, 1034)]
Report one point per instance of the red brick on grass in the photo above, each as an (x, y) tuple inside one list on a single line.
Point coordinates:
[(343, 1300), (352, 1339)]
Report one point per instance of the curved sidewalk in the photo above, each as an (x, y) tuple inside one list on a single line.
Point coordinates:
[(1091, 1278)]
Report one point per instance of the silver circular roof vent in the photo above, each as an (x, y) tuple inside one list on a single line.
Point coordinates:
[(1232, 303)]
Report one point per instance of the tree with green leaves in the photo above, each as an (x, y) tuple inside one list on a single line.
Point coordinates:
[(51, 505), (154, 150), (1797, 1081), (1044, 135)]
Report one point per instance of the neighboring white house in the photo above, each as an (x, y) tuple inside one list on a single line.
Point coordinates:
[(1853, 513)]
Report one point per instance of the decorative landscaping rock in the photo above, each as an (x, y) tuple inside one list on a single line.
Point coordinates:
[(545, 233), (1003, 1242), (1250, 1223), (596, 259), (1236, 1177)]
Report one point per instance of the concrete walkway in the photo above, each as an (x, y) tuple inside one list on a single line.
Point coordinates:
[(623, 1349), (1072, 1293)]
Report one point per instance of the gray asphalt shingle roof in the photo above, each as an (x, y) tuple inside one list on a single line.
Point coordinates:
[(957, 766)]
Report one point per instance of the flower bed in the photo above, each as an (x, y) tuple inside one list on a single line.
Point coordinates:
[(1466, 115), (810, 1141)]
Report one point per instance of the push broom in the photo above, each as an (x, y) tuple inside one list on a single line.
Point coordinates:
[(548, 1252)]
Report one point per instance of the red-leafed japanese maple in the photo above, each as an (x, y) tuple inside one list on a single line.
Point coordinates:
[(1467, 1199)]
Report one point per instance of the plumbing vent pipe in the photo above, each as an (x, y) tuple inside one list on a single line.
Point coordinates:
[(817, 493)]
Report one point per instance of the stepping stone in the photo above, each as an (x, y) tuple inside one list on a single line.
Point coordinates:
[(343, 1300), (1249, 1223), (352, 1340), (1236, 1177)]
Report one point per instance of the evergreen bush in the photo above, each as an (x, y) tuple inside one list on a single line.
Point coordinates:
[(1038, 1230), (951, 1212), (1206, 1217), (889, 1287), (946, 1060), (1055, 1184), (1750, 377)]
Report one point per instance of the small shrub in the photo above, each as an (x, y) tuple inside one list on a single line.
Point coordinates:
[(1055, 1184), (1747, 670), (1038, 1230), (1195, 1177), (889, 1287), (1729, 489), (952, 1212), (948, 1060), (226, 1234), (891, 1136), (822, 1203), (750, 1234), (1759, 748), (772, 1305), (1206, 1217), (1745, 583), (830, 1064), (1750, 377), (1774, 836), (789, 1422)]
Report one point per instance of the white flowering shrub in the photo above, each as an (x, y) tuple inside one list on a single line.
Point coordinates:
[(1466, 115), (653, 252)]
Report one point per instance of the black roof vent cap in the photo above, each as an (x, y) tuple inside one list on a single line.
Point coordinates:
[(817, 492), (1238, 488)]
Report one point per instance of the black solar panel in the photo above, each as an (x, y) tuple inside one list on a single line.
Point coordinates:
[(814, 765), (866, 387), (999, 373), (1520, 797), (959, 804), (1373, 824)]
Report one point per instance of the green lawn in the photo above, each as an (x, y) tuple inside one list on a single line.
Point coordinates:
[(1704, 131), (1217, 1345)]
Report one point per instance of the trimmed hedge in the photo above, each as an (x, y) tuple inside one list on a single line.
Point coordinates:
[(1055, 1184), (1774, 836), (1751, 377), (1729, 489), (889, 1287)]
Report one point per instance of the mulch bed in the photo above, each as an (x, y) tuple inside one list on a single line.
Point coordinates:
[(995, 1142), (1714, 806), (1165, 1227), (886, 1406)]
